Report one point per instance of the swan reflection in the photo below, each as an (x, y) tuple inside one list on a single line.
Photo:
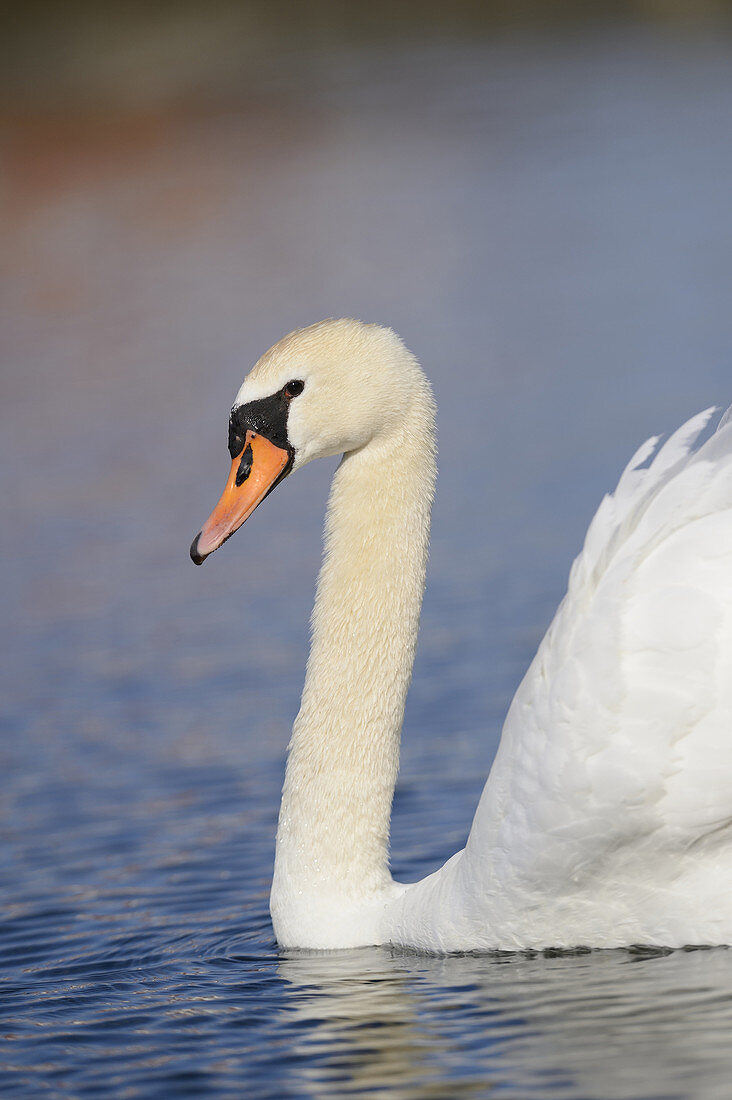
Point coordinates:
[(615, 1025)]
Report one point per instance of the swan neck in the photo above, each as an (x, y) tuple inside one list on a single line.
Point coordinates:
[(333, 834)]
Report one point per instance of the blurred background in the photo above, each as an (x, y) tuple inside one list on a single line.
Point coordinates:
[(535, 195)]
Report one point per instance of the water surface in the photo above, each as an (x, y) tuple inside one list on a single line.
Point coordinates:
[(547, 222)]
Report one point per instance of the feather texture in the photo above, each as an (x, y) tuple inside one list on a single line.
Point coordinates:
[(607, 817)]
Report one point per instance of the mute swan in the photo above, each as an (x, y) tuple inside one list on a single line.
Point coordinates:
[(607, 816)]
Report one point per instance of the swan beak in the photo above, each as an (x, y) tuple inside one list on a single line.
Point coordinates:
[(255, 471)]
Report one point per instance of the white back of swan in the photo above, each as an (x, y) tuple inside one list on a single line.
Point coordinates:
[(607, 817)]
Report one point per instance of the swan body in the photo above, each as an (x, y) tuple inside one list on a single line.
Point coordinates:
[(607, 816)]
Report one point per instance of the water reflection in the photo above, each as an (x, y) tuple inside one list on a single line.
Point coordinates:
[(360, 1012), (618, 1025)]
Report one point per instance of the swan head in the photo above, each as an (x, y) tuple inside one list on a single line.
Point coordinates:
[(328, 389)]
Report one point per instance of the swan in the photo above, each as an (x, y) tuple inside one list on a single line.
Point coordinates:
[(606, 819)]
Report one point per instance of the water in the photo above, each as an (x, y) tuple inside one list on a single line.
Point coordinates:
[(547, 223)]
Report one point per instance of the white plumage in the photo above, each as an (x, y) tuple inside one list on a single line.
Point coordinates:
[(607, 817)]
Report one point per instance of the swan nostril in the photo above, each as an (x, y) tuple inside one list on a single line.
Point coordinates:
[(245, 466)]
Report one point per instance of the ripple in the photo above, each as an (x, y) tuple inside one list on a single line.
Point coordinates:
[(148, 706)]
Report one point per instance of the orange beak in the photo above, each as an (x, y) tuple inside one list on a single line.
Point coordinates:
[(254, 472)]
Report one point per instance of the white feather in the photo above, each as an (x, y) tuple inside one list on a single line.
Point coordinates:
[(605, 819)]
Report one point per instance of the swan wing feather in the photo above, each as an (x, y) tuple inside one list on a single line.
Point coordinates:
[(613, 779)]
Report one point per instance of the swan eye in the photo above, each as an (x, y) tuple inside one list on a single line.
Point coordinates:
[(293, 388)]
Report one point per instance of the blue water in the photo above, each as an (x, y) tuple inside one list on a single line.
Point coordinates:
[(547, 222)]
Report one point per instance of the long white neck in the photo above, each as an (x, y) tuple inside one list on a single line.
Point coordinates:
[(331, 864)]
